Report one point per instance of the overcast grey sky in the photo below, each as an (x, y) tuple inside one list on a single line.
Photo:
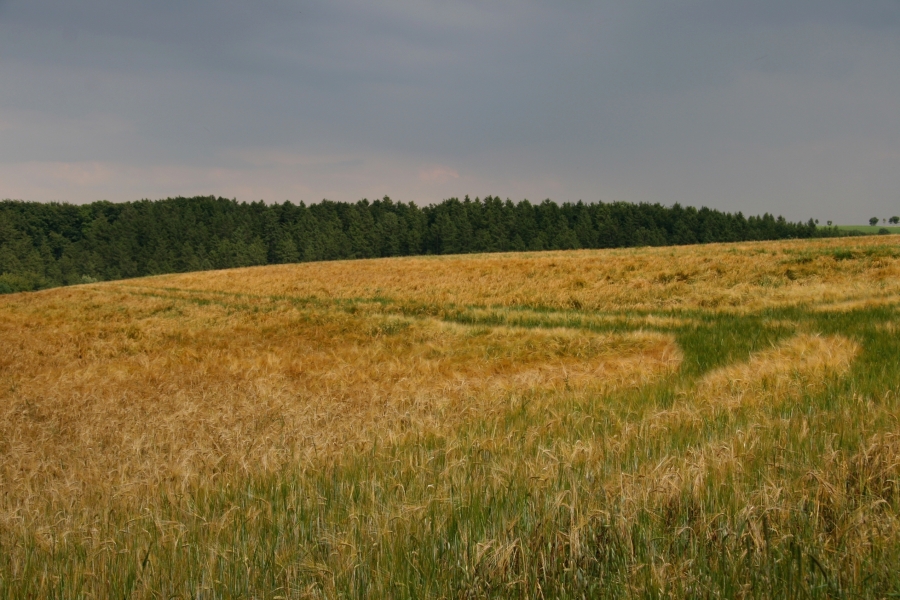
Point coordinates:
[(785, 106)]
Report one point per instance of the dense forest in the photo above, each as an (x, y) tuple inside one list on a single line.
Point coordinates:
[(44, 245)]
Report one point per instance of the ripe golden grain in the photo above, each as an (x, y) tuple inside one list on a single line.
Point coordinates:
[(731, 277), (112, 393), (554, 374), (784, 372), (162, 378)]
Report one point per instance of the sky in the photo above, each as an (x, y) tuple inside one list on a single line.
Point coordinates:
[(791, 108)]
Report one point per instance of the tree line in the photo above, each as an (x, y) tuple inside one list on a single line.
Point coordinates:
[(51, 244)]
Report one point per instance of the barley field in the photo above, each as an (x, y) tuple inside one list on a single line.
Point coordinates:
[(715, 421)]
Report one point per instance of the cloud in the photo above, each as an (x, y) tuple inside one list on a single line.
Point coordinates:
[(438, 175), (694, 101)]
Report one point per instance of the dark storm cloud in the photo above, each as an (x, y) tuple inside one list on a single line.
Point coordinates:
[(787, 107)]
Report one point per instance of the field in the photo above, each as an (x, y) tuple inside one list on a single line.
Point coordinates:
[(869, 228), (715, 421)]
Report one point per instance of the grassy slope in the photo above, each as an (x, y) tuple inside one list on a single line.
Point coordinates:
[(711, 420), (869, 228)]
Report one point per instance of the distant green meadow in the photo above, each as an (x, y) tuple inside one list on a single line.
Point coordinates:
[(869, 228)]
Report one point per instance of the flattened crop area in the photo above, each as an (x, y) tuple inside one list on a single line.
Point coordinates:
[(651, 421)]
